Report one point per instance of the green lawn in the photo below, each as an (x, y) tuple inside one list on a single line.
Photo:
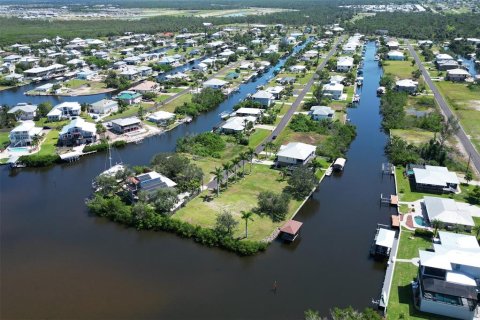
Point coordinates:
[(407, 195), (409, 245), (400, 69), (170, 107), (413, 135), (465, 103), (131, 111), (288, 135), (49, 145), (42, 122), (257, 137), (4, 140), (241, 195), (75, 83)]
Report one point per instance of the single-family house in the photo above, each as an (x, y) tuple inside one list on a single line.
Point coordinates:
[(249, 112), (433, 179), (344, 64), (131, 73), (24, 111), (447, 65), (23, 134), (124, 125), (395, 55), (161, 118), (129, 97), (104, 106), (406, 85), (295, 154), (263, 97), (447, 282), (276, 91), (146, 86), (298, 68), (64, 110), (77, 132), (236, 124), (450, 212), (148, 183), (333, 90), (321, 113), (215, 83), (393, 44), (145, 71), (457, 75)]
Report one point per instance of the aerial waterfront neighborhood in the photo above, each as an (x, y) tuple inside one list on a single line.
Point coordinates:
[(271, 146)]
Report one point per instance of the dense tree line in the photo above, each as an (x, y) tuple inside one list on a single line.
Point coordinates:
[(208, 99), (426, 25), (204, 144)]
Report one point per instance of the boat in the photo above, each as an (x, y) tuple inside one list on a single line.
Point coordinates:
[(381, 90), (112, 169), (377, 58), (339, 164), (188, 119), (356, 98), (224, 114), (383, 242), (329, 171)]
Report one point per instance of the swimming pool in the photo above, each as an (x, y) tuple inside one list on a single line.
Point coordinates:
[(420, 221), (18, 150)]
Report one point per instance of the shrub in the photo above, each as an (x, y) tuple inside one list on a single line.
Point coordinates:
[(424, 233), (39, 161), (96, 147)]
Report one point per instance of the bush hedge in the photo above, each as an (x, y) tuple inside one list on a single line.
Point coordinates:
[(39, 161), (424, 233)]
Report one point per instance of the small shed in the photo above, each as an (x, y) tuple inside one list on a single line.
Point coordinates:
[(290, 230)]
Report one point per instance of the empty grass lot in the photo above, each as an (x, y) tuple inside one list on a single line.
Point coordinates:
[(465, 103), (48, 147), (413, 136), (400, 69), (239, 196)]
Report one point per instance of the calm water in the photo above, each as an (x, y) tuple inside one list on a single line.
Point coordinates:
[(58, 262)]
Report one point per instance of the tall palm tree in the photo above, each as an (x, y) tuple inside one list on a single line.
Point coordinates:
[(251, 154), (243, 158), (247, 215), (226, 168), (218, 172), (269, 145), (436, 224)]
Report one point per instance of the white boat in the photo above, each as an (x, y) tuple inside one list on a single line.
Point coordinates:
[(356, 98), (111, 171), (329, 171), (377, 58)]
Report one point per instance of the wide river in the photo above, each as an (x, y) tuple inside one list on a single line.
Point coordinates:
[(58, 262)]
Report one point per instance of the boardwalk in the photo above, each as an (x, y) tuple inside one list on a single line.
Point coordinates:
[(462, 136)]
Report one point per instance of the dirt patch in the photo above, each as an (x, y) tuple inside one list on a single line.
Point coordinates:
[(474, 104), (310, 138)]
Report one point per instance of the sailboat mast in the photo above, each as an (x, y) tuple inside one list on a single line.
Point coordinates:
[(109, 155)]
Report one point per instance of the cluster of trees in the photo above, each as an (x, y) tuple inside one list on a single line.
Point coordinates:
[(425, 25), (99, 62), (187, 175), (204, 144), (274, 205), (115, 81), (339, 138), (143, 215), (344, 314), (391, 107), (207, 99)]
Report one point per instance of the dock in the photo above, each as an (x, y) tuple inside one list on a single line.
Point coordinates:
[(391, 200), (387, 281)]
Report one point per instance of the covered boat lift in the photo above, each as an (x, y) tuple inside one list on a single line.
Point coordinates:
[(290, 230)]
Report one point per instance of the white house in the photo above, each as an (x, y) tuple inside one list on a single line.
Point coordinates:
[(295, 153), (24, 111), (434, 179), (236, 124), (333, 90), (321, 113), (298, 68), (161, 117), (344, 64), (77, 132), (276, 91), (406, 85), (447, 282), (395, 55), (104, 106), (450, 212), (457, 74), (393, 44), (149, 183), (263, 97), (23, 134), (124, 125), (64, 110), (252, 112), (215, 83)]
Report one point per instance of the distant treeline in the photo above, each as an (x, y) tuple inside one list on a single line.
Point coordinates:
[(424, 25), (24, 31)]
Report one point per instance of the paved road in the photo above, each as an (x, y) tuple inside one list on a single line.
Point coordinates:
[(286, 118), (462, 136)]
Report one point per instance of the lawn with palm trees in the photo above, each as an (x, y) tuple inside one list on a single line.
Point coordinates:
[(240, 197)]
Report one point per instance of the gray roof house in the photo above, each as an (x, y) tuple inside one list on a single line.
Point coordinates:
[(295, 153), (321, 113), (450, 212), (24, 111), (434, 179)]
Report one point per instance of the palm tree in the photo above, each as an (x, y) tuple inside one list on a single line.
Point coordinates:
[(226, 168), (243, 158), (251, 154), (269, 145), (436, 224), (247, 215), (476, 230), (218, 172)]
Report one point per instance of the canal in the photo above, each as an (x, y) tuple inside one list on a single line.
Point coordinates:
[(57, 261)]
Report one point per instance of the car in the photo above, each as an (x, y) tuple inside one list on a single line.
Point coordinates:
[(274, 137)]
